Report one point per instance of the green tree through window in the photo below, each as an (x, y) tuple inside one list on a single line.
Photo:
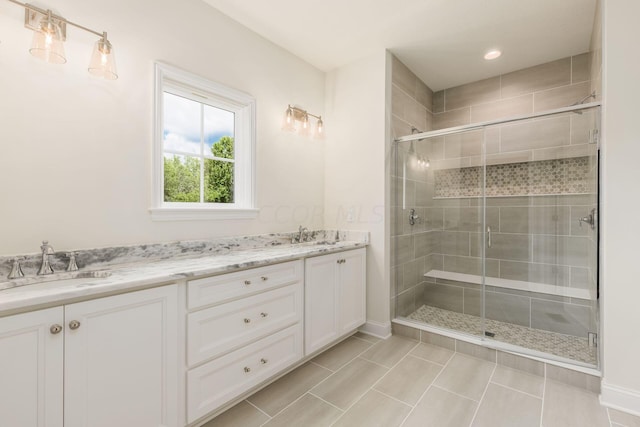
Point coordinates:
[(182, 176)]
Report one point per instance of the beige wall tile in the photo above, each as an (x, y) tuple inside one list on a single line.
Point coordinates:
[(581, 68), (438, 102), (416, 115), (557, 275), (533, 134), (444, 297), (477, 351), (510, 107), (451, 119), (540, 77), (401, 103), (506, 158), (405, 331), (399, 127), (564, 152), (438, 340), (424, 95), (402, 76), (521, 363), (470, 94), (374, 409), (560, 97), (574, 378)]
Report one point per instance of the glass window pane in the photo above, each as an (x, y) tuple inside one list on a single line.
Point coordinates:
[(181, 128), (181, 179), (218, 130), (218, 181)]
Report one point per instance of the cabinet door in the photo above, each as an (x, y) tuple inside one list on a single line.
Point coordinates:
[(121, 366), (320, 294), (31, 369), (352, 290)]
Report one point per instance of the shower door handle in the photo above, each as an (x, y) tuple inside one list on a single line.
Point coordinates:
[(488, 236)]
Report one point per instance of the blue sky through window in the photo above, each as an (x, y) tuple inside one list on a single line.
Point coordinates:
[(182, 124)]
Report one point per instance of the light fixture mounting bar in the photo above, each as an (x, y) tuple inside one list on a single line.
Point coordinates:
[(33, 14), (299, 113)]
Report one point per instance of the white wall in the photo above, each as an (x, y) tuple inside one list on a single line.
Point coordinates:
[(75, 166), (356, 160), (620, 249)]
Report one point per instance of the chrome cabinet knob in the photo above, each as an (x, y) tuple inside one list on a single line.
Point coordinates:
[(74, 324), (247, 320), (55, 329), (264, 314), (264, 361), (264, 278), (247, 282), (247, 369)]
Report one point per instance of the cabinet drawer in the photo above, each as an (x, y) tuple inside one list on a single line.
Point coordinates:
[(220, 329), (226, 287), (212, 385)]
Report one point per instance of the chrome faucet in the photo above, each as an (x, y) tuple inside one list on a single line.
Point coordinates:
[(303, 234), (45, 267)]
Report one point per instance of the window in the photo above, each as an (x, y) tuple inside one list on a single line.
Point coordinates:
[(204, 149)]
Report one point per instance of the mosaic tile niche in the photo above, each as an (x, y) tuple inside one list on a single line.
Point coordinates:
[(547, 177)]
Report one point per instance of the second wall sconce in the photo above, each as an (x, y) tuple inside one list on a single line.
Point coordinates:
[(297, 114), (50, 31)]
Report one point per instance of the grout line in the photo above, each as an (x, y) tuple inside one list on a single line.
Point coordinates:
[(483, 394), (514, 389), (320, 366), (286, 407), (544, 389), (609, 417), (255, 406), (457, 394), (392, 398), (326, 401)]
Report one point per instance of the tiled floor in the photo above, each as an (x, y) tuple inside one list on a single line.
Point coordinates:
[(567, 346), (364, 381)]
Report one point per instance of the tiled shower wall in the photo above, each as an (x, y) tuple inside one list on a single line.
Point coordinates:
[(535, 238)]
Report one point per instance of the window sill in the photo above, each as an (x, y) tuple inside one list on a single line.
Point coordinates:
[(199, 214)]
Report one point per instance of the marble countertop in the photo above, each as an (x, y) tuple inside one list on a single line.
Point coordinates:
[(142, 275)]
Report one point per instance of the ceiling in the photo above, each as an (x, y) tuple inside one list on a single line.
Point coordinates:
[(442, 41)]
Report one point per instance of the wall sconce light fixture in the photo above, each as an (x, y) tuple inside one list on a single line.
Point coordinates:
[(296, 114), (50, 31)]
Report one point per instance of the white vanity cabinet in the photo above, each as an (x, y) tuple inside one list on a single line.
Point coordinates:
[(119, 356), (335, 287), (242, 329)]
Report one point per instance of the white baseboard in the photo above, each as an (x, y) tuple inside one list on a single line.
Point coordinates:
[(377, 329), (619, 398)]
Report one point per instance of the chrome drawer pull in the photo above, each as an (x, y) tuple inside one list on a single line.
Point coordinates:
[(247, 282), (247, 369), (264, 314), (55, 329), (264, 361), (264, 278), (247, 320)]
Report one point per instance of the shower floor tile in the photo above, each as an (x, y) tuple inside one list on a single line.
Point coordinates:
[(567, 346)]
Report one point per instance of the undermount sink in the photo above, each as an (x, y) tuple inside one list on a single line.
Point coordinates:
[(68, 277)]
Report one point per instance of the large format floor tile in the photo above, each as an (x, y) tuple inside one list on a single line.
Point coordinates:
[(466, 376), (623, 419), (347, 385), (241, 415), (308, 411), (338, 356), (518, 380), (374, 410), (441, 408), (432, 353), (281, 393), (502, 407), (567, 406), (390, 351), (408, 380)]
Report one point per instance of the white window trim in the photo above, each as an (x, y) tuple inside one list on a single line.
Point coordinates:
[(245, 110)]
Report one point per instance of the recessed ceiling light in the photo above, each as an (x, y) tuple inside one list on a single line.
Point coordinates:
[(492, 54)]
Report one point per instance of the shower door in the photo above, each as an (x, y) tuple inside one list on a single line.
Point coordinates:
[(541, 238), (438, 266)]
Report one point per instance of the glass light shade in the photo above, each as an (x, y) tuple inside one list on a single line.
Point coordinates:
[(103, 61), (289, 123), (320, 126), (47, 43)]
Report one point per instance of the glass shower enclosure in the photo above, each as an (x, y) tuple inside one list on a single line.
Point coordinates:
[(495, 233)]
